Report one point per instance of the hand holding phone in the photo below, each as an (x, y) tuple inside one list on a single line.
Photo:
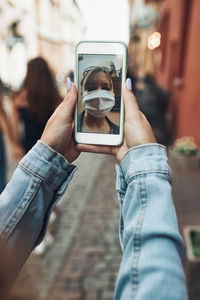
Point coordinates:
[(99, 75), (58, 133), (137, 130)]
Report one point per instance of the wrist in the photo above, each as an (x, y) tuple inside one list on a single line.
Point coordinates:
[(144, 158), (46, 163)]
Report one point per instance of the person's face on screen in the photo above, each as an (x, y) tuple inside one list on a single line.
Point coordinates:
[(98, 80), (98, 95)]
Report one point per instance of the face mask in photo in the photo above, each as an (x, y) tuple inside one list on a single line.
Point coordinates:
[(99, 102)]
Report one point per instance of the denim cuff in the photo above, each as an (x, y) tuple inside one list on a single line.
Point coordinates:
[(121, 184), (47, 164), (146, 158)]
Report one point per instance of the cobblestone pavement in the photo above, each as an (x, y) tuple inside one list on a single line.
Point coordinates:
[(186, 194), (83, 262), (85, 257)]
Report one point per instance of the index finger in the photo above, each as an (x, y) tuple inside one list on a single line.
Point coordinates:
[(130, 104)]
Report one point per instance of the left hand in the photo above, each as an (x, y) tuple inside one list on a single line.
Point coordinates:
[(58, 131)]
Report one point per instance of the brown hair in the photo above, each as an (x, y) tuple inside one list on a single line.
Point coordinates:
[(89, 77), (42, 93)]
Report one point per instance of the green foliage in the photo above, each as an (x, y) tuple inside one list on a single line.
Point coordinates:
[(195, 237), (186, 146)]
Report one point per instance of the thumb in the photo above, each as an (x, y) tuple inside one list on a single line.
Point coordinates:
[(70, 99), (130, 102)]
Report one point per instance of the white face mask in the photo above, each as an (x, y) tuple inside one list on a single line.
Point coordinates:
[(99, 102)]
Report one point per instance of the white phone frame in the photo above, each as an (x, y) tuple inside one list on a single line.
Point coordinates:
[(101, 47)]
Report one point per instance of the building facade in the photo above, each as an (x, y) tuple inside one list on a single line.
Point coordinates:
[(180, 66), (47, 28)]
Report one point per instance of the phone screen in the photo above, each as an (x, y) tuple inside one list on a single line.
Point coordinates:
[(99, 93)]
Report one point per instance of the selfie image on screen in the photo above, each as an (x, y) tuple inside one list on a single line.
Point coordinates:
[(99, 99)]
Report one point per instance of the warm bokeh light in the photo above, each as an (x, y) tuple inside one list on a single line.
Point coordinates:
[(154, 40)]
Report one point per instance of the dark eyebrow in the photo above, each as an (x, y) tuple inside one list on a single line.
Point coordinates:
[(91, 86)]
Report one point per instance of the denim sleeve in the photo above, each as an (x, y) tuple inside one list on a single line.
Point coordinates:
[(27, 201), (151, 266)]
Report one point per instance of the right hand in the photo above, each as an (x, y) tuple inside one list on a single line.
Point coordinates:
[(137, 130), (136, 127)]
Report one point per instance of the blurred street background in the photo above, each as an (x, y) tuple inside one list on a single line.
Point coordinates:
[(80, 256)]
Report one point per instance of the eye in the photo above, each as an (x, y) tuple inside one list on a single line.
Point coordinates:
[(90, 88), (106, 87)]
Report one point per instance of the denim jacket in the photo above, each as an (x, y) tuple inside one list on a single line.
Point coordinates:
[(151, 267)]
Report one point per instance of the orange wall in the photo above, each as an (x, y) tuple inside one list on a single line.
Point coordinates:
[(185, 99), (173, 12), (189, 100)]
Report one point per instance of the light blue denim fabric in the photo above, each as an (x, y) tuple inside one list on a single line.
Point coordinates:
[(2, 163), (28, 199), (151, 266)]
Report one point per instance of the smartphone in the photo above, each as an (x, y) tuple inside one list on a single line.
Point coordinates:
[(100, 72)]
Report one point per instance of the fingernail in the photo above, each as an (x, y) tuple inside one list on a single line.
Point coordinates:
[(69, 84), (129, 84)]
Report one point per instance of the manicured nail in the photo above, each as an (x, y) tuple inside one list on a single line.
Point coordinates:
[(129, 84), (69, 84)]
